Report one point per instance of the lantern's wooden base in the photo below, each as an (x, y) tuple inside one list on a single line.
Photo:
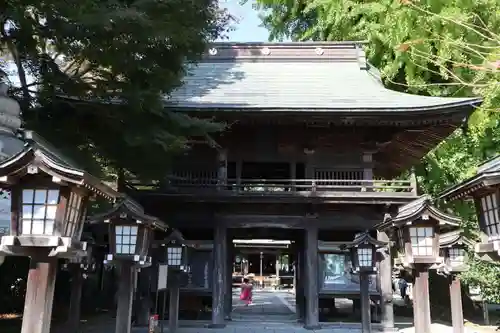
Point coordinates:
[(51, 246), (39, 295), (433, 263), (134, 260), (489, 251)]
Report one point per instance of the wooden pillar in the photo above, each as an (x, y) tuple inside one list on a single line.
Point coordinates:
[(228, 301), (293, 175), (239, 164), (366, 318), (368, 170), (295, 282), (222, 168), (421, 307), (261, 269), (457, 315), (385, 285), (75, 297), (143, 298), (218, 284), (299, 288), (173, 306), (413, 183), (278, 263), (126, 281), (311, 279), (39, 295)]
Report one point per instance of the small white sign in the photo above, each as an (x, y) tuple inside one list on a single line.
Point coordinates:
[(162, 277)]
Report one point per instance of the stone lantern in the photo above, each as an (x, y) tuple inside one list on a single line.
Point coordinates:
[(10, 144), (418, 225), (130, 235), (10, 123), (48, 201), (484, 189), (364, 261)]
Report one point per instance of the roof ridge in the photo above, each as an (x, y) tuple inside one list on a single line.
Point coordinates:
[(308, 51), (491, 164), (288, 44)]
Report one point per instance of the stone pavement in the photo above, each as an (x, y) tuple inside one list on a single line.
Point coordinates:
[(271, 312)]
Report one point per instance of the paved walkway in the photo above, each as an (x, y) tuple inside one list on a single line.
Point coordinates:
[(267, 306), (271, 312)]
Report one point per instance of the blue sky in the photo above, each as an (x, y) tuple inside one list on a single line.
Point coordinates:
[(248, 28)]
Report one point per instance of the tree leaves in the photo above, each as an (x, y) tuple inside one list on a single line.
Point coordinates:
[(122, 57), (429, 47)]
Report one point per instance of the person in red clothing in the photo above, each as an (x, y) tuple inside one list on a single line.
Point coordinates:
[(246, 292)]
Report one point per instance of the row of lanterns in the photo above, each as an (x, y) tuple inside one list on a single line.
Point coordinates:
[(49, 196), (48, 210)]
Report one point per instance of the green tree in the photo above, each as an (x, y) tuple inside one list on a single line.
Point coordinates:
[(429, 47), (96, 76)]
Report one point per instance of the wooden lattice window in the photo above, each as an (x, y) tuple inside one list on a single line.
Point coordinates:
[(39, 207), (491, 218)]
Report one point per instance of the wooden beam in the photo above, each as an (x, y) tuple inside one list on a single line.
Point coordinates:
[(219, 279), (75, 301), (37, 315), (311, 321), (366, 316), (125, 297), (457, 314), (421, 302), (385, 285)]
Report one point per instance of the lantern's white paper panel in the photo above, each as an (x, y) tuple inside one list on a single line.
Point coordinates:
[(162, 277)]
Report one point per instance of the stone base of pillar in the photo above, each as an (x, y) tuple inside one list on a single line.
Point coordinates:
[(216, 326), (312, 327)]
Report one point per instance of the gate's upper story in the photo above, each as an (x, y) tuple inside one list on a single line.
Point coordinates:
[(304, 120)]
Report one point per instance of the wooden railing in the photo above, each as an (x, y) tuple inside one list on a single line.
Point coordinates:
[(279, 186)]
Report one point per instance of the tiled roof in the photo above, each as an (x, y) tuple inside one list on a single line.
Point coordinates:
[(301, 76), (491, 165), (415, 210), (488, 174)]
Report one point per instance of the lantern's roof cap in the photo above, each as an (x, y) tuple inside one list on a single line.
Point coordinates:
[(415, 210), (174, 236), (488, 174), (88, 237), (366, 238), (132, 210), (455, 237), (40, 154)]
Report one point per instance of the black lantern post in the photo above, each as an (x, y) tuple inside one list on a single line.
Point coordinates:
[(454, 250), (48, 200), (79, 268), (130, 235), (364, 261), (176, 252), (418, 225)]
